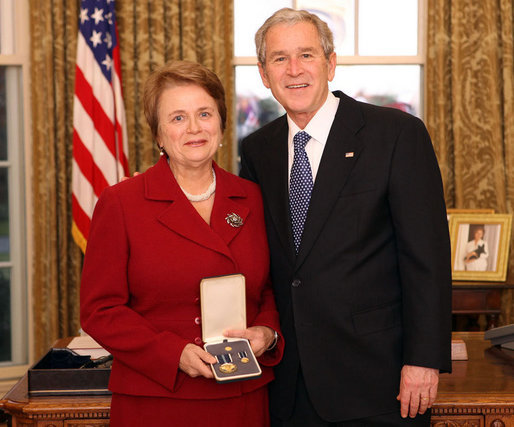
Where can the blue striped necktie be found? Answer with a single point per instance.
(300, 186)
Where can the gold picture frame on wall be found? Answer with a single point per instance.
(480, 246)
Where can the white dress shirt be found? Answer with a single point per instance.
(318, 128)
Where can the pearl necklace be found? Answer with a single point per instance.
(204, 196)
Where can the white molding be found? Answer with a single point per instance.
(12, 59)
(18, 169)
(6, 27)
(5, 386)
(23, 42)
(12, 372)
(351, 60)
(16, 214)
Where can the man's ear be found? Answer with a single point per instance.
(264, 76)
(332, 62)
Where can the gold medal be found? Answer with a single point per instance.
(244, 360)
(227, 348)
(228, 368)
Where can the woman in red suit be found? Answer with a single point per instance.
(153, 238)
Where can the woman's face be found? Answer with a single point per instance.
(479, 233)
(189, 125)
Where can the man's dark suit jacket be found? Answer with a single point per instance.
(370, 289)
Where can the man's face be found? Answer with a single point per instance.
(296, 70)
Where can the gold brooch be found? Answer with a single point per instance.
(234, 220)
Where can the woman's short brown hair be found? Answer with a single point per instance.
(178, 73)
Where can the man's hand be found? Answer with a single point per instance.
(418, 389)
(260, 337)
(128, 177)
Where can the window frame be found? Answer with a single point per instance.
(357, 59)
(419, 59)
(20, 204)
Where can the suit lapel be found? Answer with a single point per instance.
(275, 183)
(339, 157)
(181, 217)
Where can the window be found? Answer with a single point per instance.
(379, 47)
(13, 275)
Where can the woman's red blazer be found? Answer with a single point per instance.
(147, 252)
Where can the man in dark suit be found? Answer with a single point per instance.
(362, 279)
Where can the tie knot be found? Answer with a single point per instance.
(300, 140)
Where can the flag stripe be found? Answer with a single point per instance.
(88, 167)
(94, 110)
(82, 187)
(92, 73)
(80, 217)
(87, 132)
(100, 144)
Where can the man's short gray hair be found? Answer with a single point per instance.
(290, 17)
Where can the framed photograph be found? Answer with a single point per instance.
(480, 246)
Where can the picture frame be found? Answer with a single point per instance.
(480, 246)
(453, 211)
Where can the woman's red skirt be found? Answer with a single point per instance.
(248, 410)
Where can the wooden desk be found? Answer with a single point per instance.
(475, 298)
(55, 411)
(480, 391)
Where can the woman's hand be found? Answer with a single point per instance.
(194, 361)
(469, 255)
(260, 337)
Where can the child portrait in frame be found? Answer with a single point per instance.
(480, 246)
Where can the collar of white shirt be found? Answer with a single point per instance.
(318, 128)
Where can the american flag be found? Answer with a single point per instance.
(100, 148)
